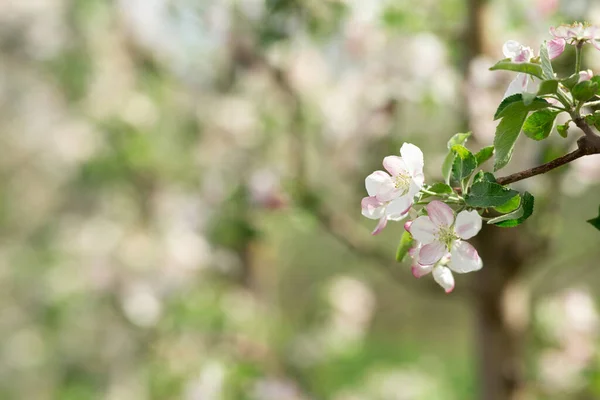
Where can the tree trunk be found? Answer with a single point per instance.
(501, 309)
(499, 302)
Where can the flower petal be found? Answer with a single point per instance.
(585, 75)
(517, 85)
(431, 253)
(524, 55)
(468, 224)
(415, 185)
(556, 47)
(423, 230)
(382, 223)
(560, 31)
(372, 208)
(419, 270)
(377, 182)
(414, 251)
(588, 32)
(595, 44)
(443, 276)
(395, 165)
(440, 213)
(464, 258)
(398, 209)
(532, 85)
(413, 158)
(511, 48)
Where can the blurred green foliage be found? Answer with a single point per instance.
(165, 169)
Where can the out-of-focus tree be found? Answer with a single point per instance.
(179, 190)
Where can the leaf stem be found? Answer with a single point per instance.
(433, 193)
(578, 57)
(563, 99)
(452, 200)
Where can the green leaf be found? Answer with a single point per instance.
(484, 177)
(527, 68)
(459, 138)
(539, 124)
(515, 98)
(510, 205)
(548, 87)
(464, 163)
(563, 129)
(518, 216)
(488, 194)
(585, 90)
(447, 166)
(513, 113)
(593, 119)
(515, 103)
(595, 221)
(570, 81)
(439, 188)
(507, 133)
(595, 79)
(547, 71)
(406, 242)
(484, 154)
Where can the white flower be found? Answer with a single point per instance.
(391, 194)
(523, 83)
(574, 35)
(395, 210)
(405, 177)
(441, 274)
(517, 52)
(441, 232)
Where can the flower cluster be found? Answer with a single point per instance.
(576, 34)
(446, 214)
(438, 234)
(441, 246)
(391, 194)
(523, 83)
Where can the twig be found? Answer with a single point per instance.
(519, 176)
(587, 145)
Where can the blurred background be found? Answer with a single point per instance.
(179, 204)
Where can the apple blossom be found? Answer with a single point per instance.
(404, 177)
(575, 34)
(395, 210)
(441, 273)
(442, 232)
(391, 193)
(436, 235)
(517, 52)
(523, 83)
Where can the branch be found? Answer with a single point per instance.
(581, 124)
(586, 145)
(542, 169)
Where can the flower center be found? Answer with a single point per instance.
(446, 236)
(402, 182)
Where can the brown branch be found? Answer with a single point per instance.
(581, 124)
(560, 161)
(587, 145)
